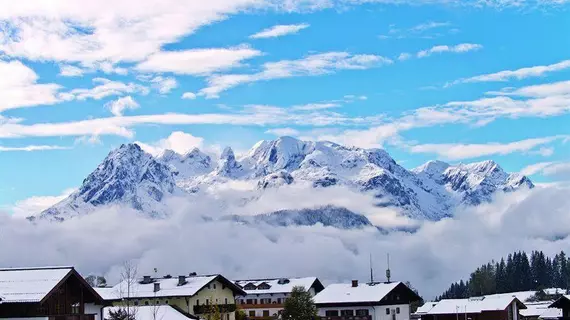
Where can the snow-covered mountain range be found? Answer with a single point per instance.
(130, 176)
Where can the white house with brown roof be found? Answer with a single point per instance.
(265, 298)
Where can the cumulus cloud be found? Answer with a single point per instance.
(189, 95)
(425, 257)
(178, 141)
(279, 31)
(70, 71)
(121, 104)
(280, 132)
(312, 65)
(21, 89)
(164, 84)
(33, 205)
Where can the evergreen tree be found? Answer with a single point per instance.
(501, 276)
(525, 273)
(563, 270)
(299, 306)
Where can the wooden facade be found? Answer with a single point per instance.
(66, 301)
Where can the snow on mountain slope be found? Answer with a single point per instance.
(129, 176)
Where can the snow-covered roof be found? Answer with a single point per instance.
(551, 313)
(521, 295)
(554, 291)
(535, 309)
(31, 284)
(169, 287)
(346, 293)
(279, 285)
(474, 305)
(165, 312)
(425, 308)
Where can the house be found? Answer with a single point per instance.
(49, 293)
(265, 298)
(422, 310)
(193, 295)
(369, 301)
(493, 307)
(540, 310)
(562, 303)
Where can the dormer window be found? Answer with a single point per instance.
(250, 286)
(263, 286)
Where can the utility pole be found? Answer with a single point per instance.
(388, 274)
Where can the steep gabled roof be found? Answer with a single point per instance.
(345, 293)
(475, 305)
(165, 312)
(28, 285)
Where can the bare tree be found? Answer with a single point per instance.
(127, 286)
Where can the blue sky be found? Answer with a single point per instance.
(460, 82)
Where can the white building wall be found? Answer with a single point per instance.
(91, 308)
(376, 312)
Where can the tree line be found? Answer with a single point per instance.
(517, 272)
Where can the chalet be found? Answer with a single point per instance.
(50, 293)
(493, 307)
(369, 301)
(192, 295)
(562, 303)
(265, 298)
(540, 310)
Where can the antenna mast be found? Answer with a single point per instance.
(371, 271)
(388, 270)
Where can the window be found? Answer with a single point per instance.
(362, 312)
(279, 300)
(208, 286)
(331, 313)
(75, 308)
(146, 303)
(347, 313)
(397, 297)
(252, 313)
(387, 310)
(214, 286)
(249, 301)
(266, 313)
(207, 302)
(136, 302)
(398, 310)
(197, 302)
(165, 301)
(226, 301)
(157, 302)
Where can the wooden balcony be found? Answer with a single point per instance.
(72, 317)
(261, 306)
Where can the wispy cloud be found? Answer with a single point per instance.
(280, 132)
(197, 61)
(556, 169)
(312, 65)
(164, 84)
(460, 48)
(105, 88)
(458, 151)
(518, 74)
(279, 31)
(32, 148)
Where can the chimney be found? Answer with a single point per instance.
(146, 279)
(156, 286)
(181, 280)
(192, 274)
(354, 283)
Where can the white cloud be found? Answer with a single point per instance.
(20, 89)
(556, 169)
(280, 132)
(519, 74)
(121, 104)
(70, 71)
(178, 141)
(32, 148)
(189, 95)
(279, 31)
(460, 48)
(312, 65)
(197, 61)
(37, 204)
(164, 84)
(429, 25)
(404, 56)
(561, 88)
(106, 88)
(316, 106)
(457, 151)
